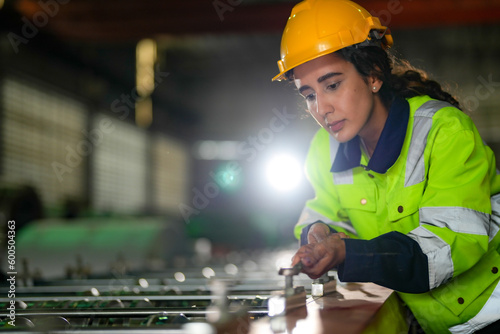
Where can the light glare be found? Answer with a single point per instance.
(284, 172)
(208, 272)
(143, 283)
(180, 277)
(231, 269)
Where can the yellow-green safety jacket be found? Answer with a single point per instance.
(430, 191)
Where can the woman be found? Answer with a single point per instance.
(407, 193)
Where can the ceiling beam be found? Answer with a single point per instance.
(130, 20)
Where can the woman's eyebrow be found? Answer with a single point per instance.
(320, 80)
(303, 88)
(327, 76)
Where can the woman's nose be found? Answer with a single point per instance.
(323, 106)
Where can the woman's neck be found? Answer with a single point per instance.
(368, 150)
(370, 134)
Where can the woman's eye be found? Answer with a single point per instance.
(310, 97)
(333, 86)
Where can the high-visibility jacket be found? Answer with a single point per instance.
(431, 181)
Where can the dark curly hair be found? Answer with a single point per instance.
(399, 77)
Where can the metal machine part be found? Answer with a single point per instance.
(291, 297)
(289, 273)
(215, 299)
(250, 296)
(324, 285)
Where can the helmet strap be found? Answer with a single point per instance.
(375, 38)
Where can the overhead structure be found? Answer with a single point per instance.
(122, 20)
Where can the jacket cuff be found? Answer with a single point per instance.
(393, 260)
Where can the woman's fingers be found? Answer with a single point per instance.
(318, 232)
(318, 258)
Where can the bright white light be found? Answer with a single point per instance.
(208, 272)
(207, 150)
(276, 305)
(203, 247)
(143, 283)
(284, 172)
(231, 269)
(180, 277)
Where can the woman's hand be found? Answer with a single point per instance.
(317, 233)
(318, 258)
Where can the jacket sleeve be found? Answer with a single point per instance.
(392, 260)
(454, 212)
(325, 206)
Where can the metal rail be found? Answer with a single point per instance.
(119, 313)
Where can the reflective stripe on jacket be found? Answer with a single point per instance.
(439, 192)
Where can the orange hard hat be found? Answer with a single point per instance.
(318, 27)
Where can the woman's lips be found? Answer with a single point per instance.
(336, 126)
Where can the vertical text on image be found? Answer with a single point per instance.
(11, 280)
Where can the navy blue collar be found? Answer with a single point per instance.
(388, 147)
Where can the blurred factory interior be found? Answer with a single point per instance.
(147, 127)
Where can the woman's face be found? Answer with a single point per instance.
(338, 98)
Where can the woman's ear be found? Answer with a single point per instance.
(375, 84)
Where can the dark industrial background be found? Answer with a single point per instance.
(78, 174)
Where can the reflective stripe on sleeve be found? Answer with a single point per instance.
(495, 216)
(415, 165)
(488, 315)
(438, 254)
(463, 220)
(309, 216)
(490, 312)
